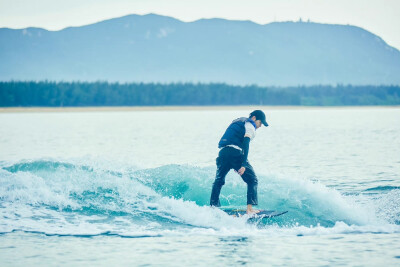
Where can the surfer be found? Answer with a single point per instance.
(234, 149)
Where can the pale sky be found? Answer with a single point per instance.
(381, 17)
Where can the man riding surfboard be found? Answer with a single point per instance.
(234, 149)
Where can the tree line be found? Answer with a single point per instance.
(73, 94)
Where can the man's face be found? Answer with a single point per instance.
(258, 124)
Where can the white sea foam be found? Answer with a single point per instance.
(322, 201)
(79, 200)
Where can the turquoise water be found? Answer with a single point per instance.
(132, 187)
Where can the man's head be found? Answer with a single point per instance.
(258, 117)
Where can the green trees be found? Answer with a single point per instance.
(59, 94)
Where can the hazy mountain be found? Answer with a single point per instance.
(154, 48)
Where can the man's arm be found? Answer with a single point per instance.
(245, 147)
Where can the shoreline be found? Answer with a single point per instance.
(170, 108)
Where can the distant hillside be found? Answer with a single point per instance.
(154, 48)
(75, 94)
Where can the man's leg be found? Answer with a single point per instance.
(222, 169)
(250, 179)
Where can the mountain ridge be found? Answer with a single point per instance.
(154, 48)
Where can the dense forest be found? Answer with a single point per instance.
(71, 94)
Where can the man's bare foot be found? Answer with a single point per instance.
(251, 212)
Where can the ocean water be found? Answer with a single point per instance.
(132, 188)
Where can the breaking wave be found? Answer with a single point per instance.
(70, 198)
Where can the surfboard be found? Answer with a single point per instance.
(259, 215)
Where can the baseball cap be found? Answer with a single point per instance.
(259, 116)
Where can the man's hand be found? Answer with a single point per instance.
(241, 171)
